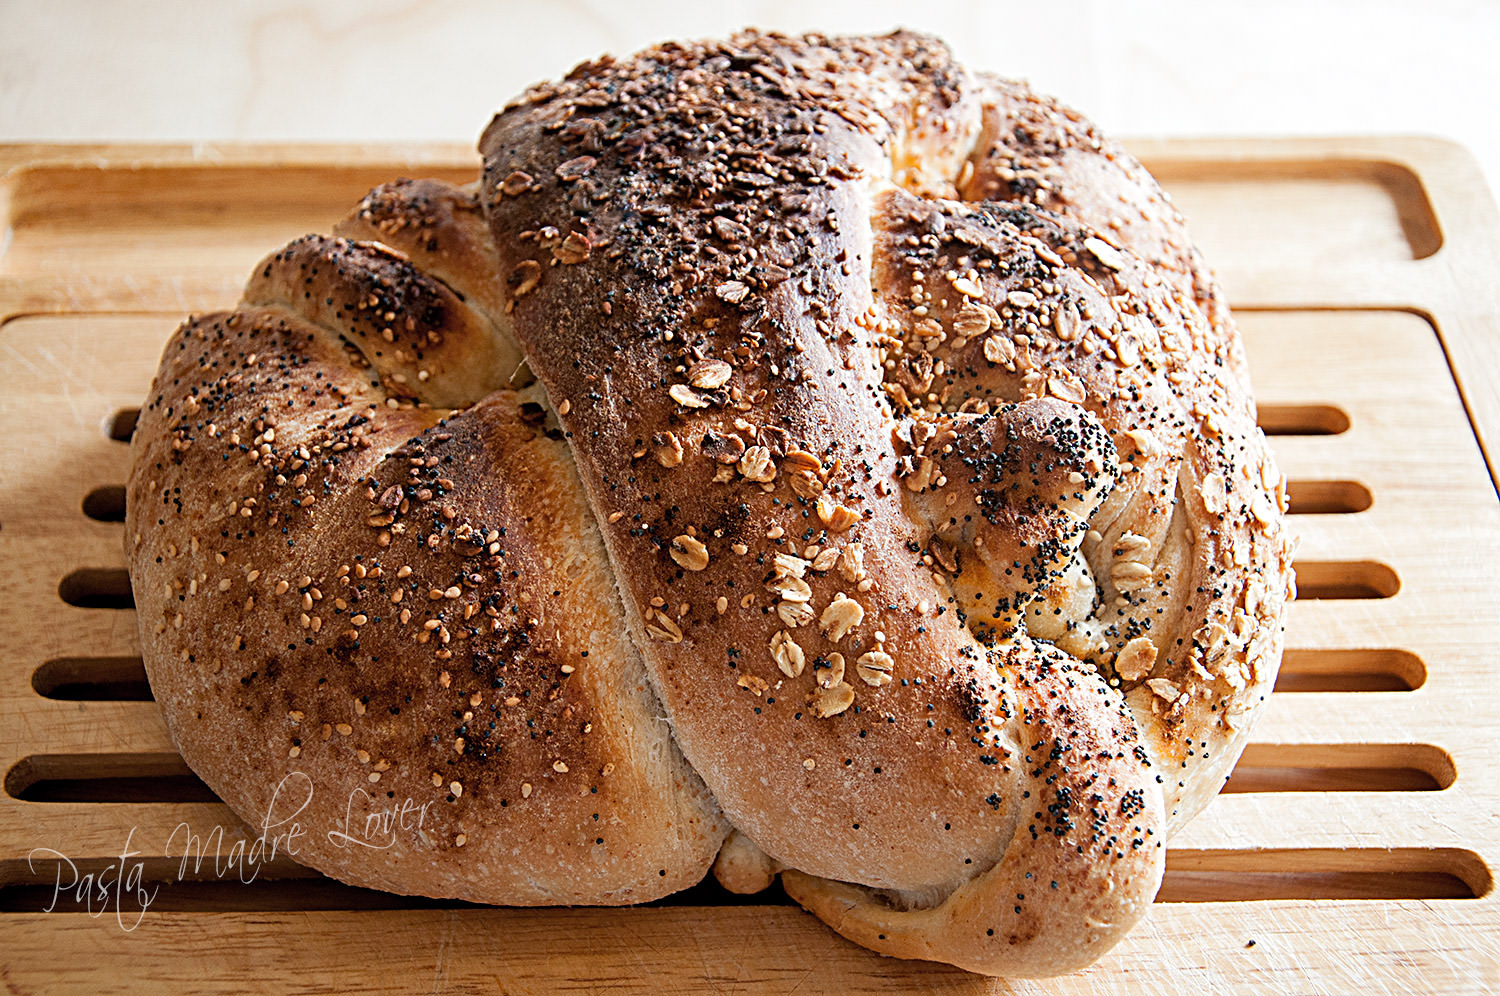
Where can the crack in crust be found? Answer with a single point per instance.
(900, 414)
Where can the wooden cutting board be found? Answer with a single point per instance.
(1353, 850)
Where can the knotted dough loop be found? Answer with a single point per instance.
(889, 455)
(372, 601)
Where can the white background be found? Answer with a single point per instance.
(395, 69)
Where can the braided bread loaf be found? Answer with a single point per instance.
(800, 440)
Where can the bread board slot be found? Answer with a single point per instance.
(100, 197)
(153, 788)
(105, 504)
(75, 218)
(1274, 420)
(1304, 211)
(1306, 498)
(1263, 768)
(1288, 420)
(1377, 670)
(1342, 768)
(1324, 873)
(104, 778)
(97, 588)
(92, 679)
(1433, 761)
(1345, 579)
(1191, 877)
(109, 587)
(170, 895)
(1250, 778)
(1216, 887)
(123, 679)
(121, 425)
(28, 886)
(279, 886)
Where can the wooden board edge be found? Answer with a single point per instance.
(1454, 289)
(1464, 302)
(16, 156)
(1441, 319)
(744, 949)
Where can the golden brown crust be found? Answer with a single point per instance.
(941, 528)
(441, 229)
(1035, 151)
(1189, 538)
(757, 272)
(412, 628)
(1084, 860)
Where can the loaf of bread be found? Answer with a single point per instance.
(793, 456)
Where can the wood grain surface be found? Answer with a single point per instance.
(1353, 850)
